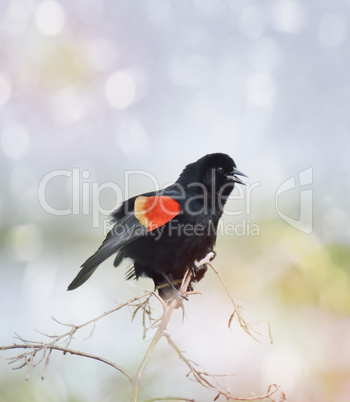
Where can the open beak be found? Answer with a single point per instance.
(233, 176)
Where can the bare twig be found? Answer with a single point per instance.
(168, 309)
(41, 347)
(200, 376)
(36, 353)
(237, 308)
(170, 398)
(34, 348)
(273, 390)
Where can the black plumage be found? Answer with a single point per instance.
(165, 252)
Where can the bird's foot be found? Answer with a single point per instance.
(179, 297)
(206, 260)
(176, 294)
(199, 268)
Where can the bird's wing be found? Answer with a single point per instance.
(126, 230)
(149, 213)
(155, 211)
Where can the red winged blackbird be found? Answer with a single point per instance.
(167, 231)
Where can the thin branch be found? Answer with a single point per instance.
(75, 328)
(170, 398)
(28, 358)
(199, 376)
(38, 347)
(273, 390)
(39, 352)
(247, 327)
(168, 309)
(202, 377)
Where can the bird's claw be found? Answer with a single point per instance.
(206, 260)
(179, 297)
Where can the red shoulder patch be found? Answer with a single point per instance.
(153, 212)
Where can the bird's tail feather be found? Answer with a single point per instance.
(89, 266)
(127, 230)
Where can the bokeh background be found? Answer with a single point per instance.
(90, 90)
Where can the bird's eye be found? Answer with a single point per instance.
(220, 169)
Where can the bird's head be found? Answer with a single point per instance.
(215, 171)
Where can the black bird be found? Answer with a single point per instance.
(167, 231)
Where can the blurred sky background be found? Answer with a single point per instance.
(107, 87)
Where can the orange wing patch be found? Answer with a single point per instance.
(153, 212)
